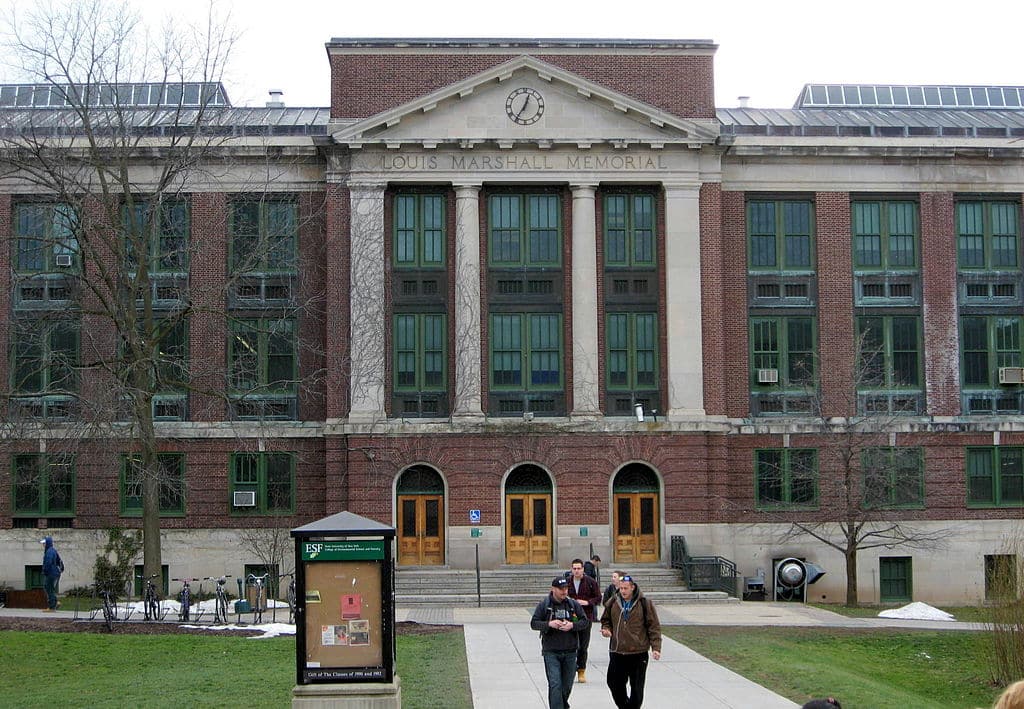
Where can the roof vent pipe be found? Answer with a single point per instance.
(744, 101)
(276, 99)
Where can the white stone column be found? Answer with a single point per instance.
(368, 320)
(585, 355)
(466, 399)
(683, 301)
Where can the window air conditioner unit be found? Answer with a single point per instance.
(244, 498)
(767, 376)
(1011, 375)
(63, 260)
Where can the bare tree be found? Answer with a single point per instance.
(136, 120)
(866, 482)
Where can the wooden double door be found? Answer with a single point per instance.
(528, 528)
(636, 527)
(421, 530)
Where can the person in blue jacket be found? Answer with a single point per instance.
(51, 573)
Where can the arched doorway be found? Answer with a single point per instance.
(635, 512)
(420, 494)
(528, 516)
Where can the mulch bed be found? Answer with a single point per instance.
(63, 625)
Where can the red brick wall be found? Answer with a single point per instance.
(363, 85)
(734, 324)
(938, 279)
(836, 345)
(712, 277)
(336, 297)
(208, 324)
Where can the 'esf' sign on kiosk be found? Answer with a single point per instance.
(348, 550)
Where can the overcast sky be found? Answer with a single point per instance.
(766, 50)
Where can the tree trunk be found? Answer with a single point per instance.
(851, 575)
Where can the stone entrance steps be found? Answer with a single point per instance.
(526, 585)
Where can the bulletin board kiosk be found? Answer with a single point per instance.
(345, 614)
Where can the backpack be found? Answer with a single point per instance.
(59, 561)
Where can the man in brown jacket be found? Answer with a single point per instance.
(631, 621)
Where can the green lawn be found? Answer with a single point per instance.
(863, 669)
(964, 614)
(100, 670)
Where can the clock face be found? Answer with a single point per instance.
(524, 106)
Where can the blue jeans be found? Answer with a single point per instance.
(560, 668)
(50, 586)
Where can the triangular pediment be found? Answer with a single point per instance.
(501, 106)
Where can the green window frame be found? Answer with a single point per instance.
(987, 235)
(171, 352)
(419, 221)
(166, 239)
(988, 342)
(171, 479)
(890, 352)
(525, 229)
(629, 230)
(163, 586)
(270, 475)
(632, 342)
(45, 357)
(43, 484)
(264, 235)
(786, 478)
(43, 231)
(786, 344)
(262, 356)
(893, 477)
(781, 235)
(420, 352)
(885, 235)
(1001, 573)
(530, 341)
(34, 577)
(895, 579)
(995, 476)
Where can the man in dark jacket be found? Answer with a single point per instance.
(588, 594)
(51, 573)
(559, 620)
(631, 622)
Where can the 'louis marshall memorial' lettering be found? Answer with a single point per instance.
(523, 162)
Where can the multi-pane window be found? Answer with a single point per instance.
(270, 476)
(45, 358)
(632, 350)
(893, 477)
(261, 355)
(988, 343)
(419, 230)
(629, 230)
(525, 230)
(44, 237)
(530, 342)
(43, 484)
(987, 235)
(785, 345)
(895, 579)
(884, 235)
(168, 471)
(264, 235)
(995, 475)
(889, 352)
(171, 355)
(419, 352)
(780, 235)
(160, 230)
(786, 477)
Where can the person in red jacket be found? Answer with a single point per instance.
(588, 594)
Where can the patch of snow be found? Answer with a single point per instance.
(269, 630)
(916, 611)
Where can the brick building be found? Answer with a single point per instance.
(554, 298)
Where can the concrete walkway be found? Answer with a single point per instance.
(506, 669)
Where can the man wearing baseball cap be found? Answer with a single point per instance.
(559, 619)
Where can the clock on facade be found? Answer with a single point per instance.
(524, 106)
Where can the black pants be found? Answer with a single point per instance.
(584, 648)
(631, 668)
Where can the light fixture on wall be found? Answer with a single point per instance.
(638, 409)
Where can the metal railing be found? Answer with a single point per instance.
(704, 573)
